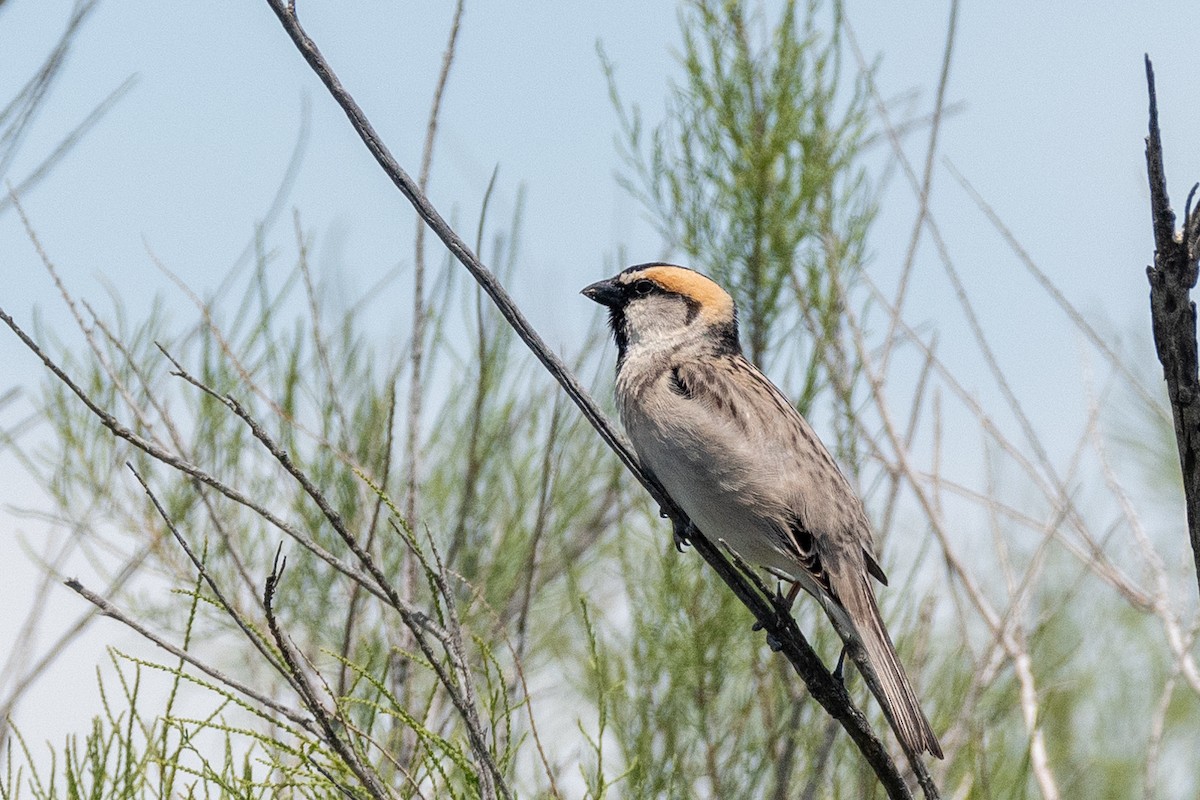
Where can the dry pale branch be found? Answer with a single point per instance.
(107, 609)
(1177, 638)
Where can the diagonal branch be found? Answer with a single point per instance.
(1173, 315)
(829, 692)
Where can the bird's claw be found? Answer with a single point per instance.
(780, 602)
(839, 673)
(681, 531)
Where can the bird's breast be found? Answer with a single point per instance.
(730, 487)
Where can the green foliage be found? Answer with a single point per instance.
(129, 753)
(508, 533)
(595, 655)
(755, 178)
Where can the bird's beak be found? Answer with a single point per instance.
(606, 293)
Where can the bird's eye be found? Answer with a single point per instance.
(642, 288)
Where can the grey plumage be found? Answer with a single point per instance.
(745, 465)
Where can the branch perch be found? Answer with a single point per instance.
(829, 692)
(1173, 315)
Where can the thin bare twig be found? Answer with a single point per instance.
(935, 128)
(107, 609)
(235, 615)
(314, 309)
(356, 596)
(419, 323)
(484, 356)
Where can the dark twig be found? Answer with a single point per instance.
(830, 693)
(299, 680)
(238, 618)
(1173, 316)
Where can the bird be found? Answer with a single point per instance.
(746, 467)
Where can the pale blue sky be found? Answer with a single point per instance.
(1050, 133)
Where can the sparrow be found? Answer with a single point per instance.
(746, 467)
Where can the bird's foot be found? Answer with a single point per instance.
(681, 531)
(781, 603)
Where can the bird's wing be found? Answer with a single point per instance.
(824, 509)
(824, 524)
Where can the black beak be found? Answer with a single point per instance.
(606, 293)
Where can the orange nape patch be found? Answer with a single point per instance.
(715, 303)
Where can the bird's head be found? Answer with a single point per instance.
(651, 304)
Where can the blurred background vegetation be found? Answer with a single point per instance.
(1050, 633)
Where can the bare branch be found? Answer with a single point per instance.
(1173, 315)
(1030, 711)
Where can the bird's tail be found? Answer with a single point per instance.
(887, 679)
